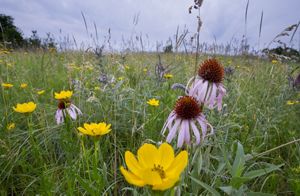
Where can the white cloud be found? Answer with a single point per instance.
(157, 18)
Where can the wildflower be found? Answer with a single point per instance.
(25, 107)
(274, 61)
(120, 78)
(207, 87)
(10, 126)
(127, 67)
(23, 85)
(153, 102)
(289, 102)
(41, 92)
(145, 70)
(63, 95)
(186, 117)
(94, 129)
(7, 85)
(97, 88)
(65, 105)
(168, 76)
(157, 167)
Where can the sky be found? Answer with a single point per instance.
(158, 20)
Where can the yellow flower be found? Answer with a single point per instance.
(41, 92)
(97, 88)
(94, 129)
(23, 85)
(63, 95)
(157, 167)
(7, 85)
(274, 61)
(25, 107)
(11, 126)
(145, 70)
(127, 67)
(168, 76)
(153, 102)
(120, 78)
(289, 102)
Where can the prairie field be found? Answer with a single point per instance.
(254, 150)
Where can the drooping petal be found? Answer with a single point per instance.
(168, 122)
(131, 178)
(77, 109)
(147, 155)
(178, 165)
(212, 97)
(71, 112)
(222, 92)
(196, 86)
(166, 155)
(201, 96)
(59, 116)
(181, 135)
(133, 164)
(203, 127)
(196, 132)
(173, 131)
(186, 129)
(166, 184)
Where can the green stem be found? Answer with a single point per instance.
(85, 158)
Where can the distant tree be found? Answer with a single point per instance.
(9, 33)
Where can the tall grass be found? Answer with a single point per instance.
(255, 120)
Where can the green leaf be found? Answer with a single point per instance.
(206, 186)
(261, 172)
(237, 182)
(239, 161)
(227, 189)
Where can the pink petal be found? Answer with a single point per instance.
(212, 96)
(187, 136)
(196, 132)
(180, 137)
(168, 122)
(172, 132)
(203, 127)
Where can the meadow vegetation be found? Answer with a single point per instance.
(255, 147)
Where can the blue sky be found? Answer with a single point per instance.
(158, 19)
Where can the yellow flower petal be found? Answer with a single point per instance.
(132, 164)
(166, 155)
(132, 179)
(84, 131)
(178, 165)
(147, 155)
(25, 107)
(151, 177)
(166, 184)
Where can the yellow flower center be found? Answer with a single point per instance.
(160, 170)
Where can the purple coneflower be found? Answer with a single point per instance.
(207, 87)
(186, 118)
(65, 107)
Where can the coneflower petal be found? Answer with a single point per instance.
(172, 132)
(212, 96)
(196, 132)
(187, 137)
(180, 137)
(72, 112)
(203, 125)
(168, 123)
